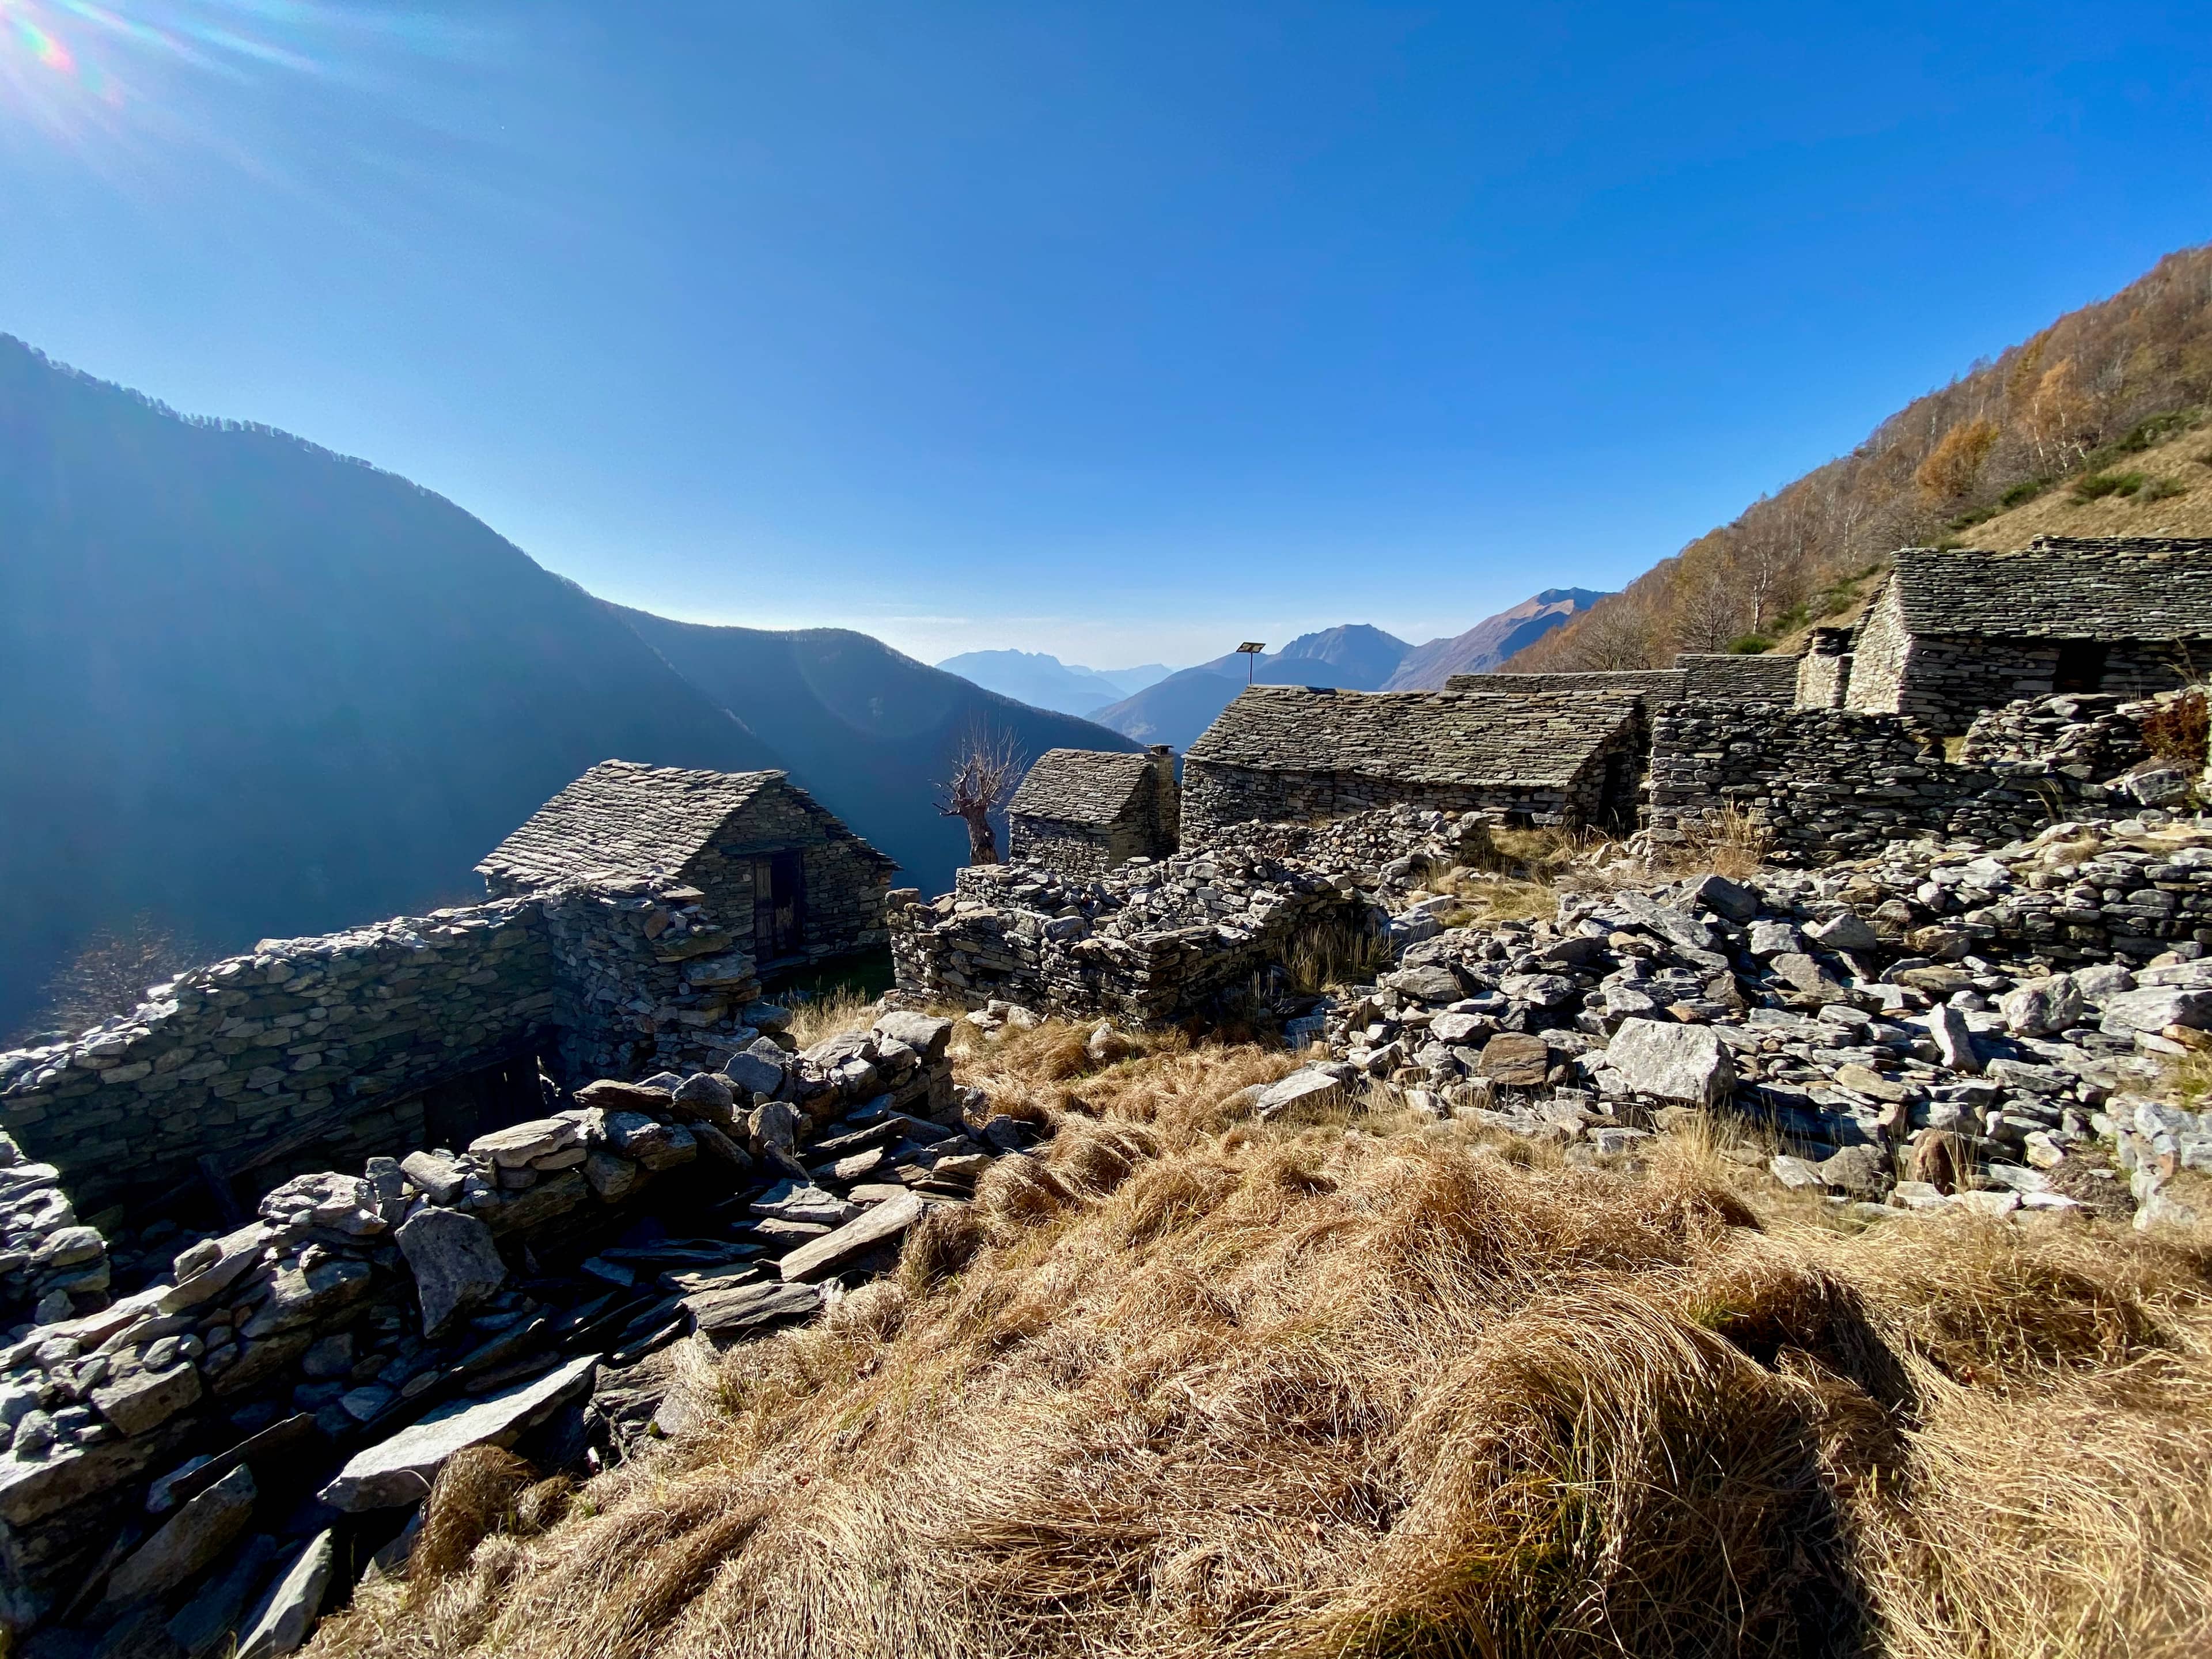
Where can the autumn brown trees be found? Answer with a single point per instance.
(2028, 417)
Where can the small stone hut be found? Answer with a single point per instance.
(1081, 811)
(1306, 754)
(792, 882)
(1953, 632)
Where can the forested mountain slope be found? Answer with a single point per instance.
(870, 732)
(248, 688)
(2049, 421)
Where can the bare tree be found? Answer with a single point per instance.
(1616, 634)
(985, 771)
(1709, 613)
(111, 972)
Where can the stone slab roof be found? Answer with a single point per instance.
(1416, 737)
(2061, 587)
(623, 820)
(1659, 685)
(1080, 785)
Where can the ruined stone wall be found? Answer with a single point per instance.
(308, 1344)
(1728, 677)
(1073, 849)
(1154, 942)
(333, 1037)
(1818, 784)
(322, 1049)
(2095, 736)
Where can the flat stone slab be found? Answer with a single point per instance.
(400, 1470)
(727, 1314)
(1308, 1086)
(886, 1221)
(1688, 1064)
(1515, 1060)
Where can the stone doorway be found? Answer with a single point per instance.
(779, 907)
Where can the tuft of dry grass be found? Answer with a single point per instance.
(1181, 1384)
(841, 1010)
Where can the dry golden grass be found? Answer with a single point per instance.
(821, 1017)
(1181, 1384)
(2178, 462)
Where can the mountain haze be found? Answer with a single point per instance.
(1352, 657)
(1044, 682)
(877, 729)
(255, 688)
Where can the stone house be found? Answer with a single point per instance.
(1304, 754)
(1082, 810)
(1953, 632)
(792, 883)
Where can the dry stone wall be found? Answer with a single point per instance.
(312, 1050)
(1153, 943)
(316, 1364)
(1819, 784)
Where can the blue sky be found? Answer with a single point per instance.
(1119, 330)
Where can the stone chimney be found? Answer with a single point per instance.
(1167, 799)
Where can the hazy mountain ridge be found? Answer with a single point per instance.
(870, 730)
(1352, 657)
(259, 688)
(1043, 681)
(1485, 645)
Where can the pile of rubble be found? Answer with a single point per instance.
(1153, 940)
(1941, 1023)
(208, 1457)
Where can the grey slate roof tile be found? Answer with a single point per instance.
(1080, 785)
(623, 820)
(2061, 587)
(1416, 737)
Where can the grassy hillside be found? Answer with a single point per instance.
(2094, 395)
(1185, 1384)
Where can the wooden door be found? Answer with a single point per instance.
(779, 906)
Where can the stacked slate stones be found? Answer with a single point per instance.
(213, 1456)
(1944, 1022)
(1152, 941)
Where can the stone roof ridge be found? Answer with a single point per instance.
(1080, 785)
(1443, 737)
(624, 820)
(2102, 588)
